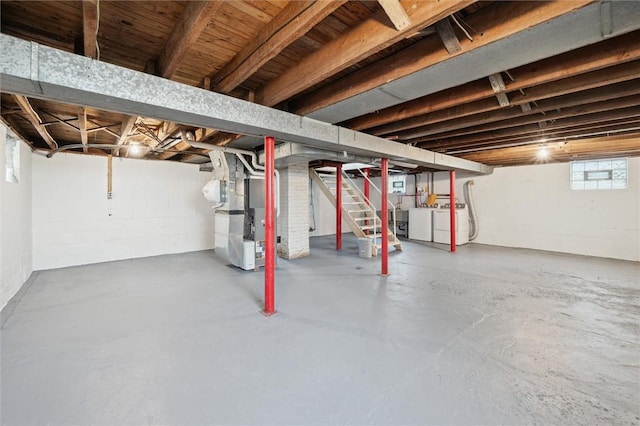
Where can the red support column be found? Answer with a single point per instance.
(452, 208)
(384, 188)
(270, 226)
(366, 184)
(339, 206)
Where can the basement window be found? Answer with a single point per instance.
(12, 159)
(599, 174)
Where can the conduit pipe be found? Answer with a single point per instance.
(112, 147)
(468, 195)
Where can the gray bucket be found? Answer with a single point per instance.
(364, 247)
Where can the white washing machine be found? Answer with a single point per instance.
(421, 224)
(442, 226)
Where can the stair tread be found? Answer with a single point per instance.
(362, 220)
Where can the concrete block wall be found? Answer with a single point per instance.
(16, 248)
(293, 223)
(157, 208)
(535, 207)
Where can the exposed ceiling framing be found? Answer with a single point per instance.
(486, 81)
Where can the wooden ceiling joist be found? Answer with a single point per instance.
(595, 130)
(538, 118)
(364, 40)
(490, 21)
(623, 117)
(194, 19)
(295, 20)
(90, 28)
(412, 127)
(396, 13)
(591, 58)
(574, 100)
(612, 146)
(32, 116)
(125, 130)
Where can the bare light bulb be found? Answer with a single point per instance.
(543, 153)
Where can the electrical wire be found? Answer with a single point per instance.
(461, 27)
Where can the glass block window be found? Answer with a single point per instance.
(599, 174)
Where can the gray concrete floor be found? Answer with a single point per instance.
(487, 336)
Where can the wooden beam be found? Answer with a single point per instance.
(603, 77)
(581, 149)
(593, 130)
(125, 130)
(575, 100)
(295, 20)
(194, 19)
(34, 119)
(82, 125)
(366, 39)
(448, 36)
(212, 137)
(427, 52)
(90, 28)
(396, 13)
(167, 129)
(537, 117)
(620, 117)
(600, 55)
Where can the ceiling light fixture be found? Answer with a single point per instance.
(543, 153)
(137, 150)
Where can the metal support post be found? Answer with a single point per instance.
(384, 189)
(270, 225)
(452, 208)
(339, 206)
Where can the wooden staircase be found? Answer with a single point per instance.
(356, 211)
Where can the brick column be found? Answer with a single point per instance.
(293, 223)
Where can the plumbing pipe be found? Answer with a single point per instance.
(452, 208)
(385, 216)
(253, 155)
(253, 172)
(112, 146)
(468, 195)
(339, 206)
(269, 235)
(254, 162)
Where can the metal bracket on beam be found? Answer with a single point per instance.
(448, 36)
(606, 19)
(498, 86)
(525, 107)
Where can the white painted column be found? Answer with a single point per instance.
(293, 223)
